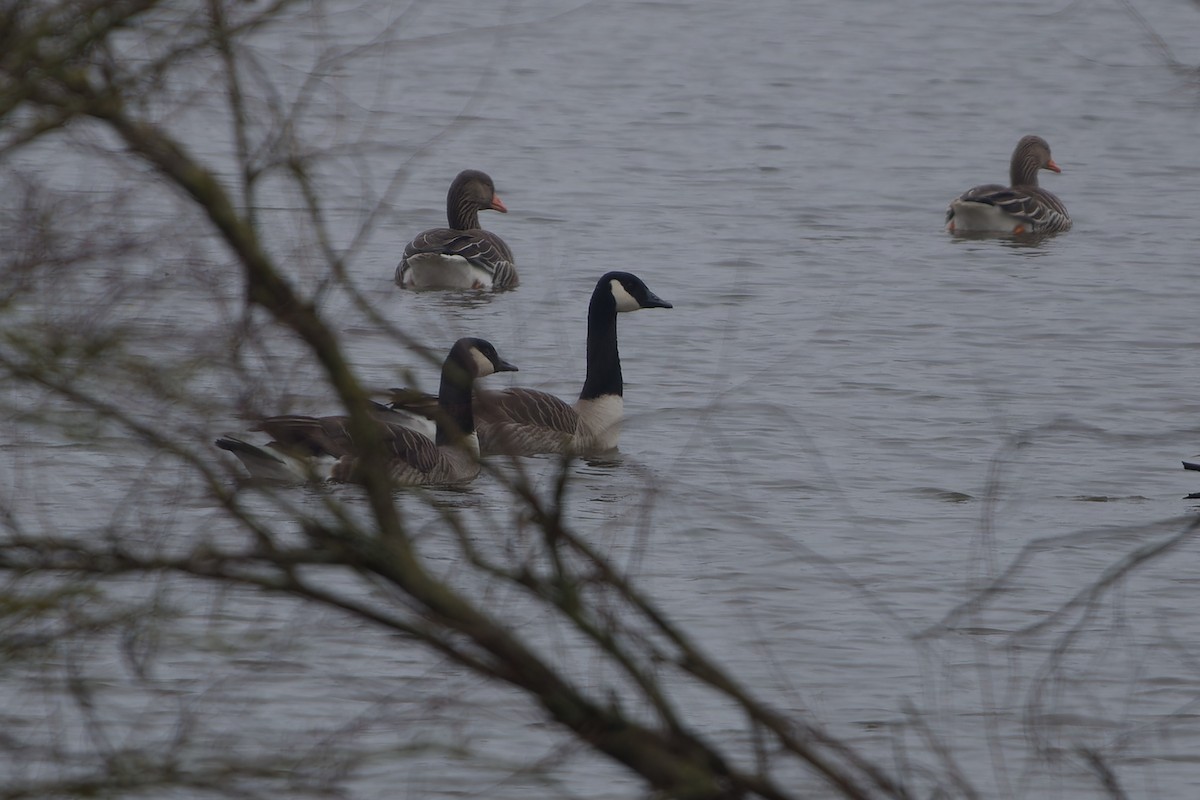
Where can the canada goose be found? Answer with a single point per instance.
(527, 422)
(308, 448)
(1022, 207)
(462, 256)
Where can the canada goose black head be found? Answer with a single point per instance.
(628, 292)
(472, 358)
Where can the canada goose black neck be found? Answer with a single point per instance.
(603, 360)
(454, 396)
(469, 359)
(455, 403)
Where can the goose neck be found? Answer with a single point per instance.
(461, 212)
(1024, 169)
(456, 420)
(603, 360)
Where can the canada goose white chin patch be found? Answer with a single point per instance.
(483, 364)
(625, 301)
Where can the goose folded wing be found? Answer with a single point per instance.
(1041, 209)
(989, 193)
(519, 406)
(1027, 204)
(313, 436)
(412, 448)
(1015, 202)
(414, 401)
(322, 436)
(479, 247)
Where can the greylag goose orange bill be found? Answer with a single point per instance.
(462, 255)
(323, 448)
(525, 422)
(1019, 208)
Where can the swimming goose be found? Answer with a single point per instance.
(305, 448)
(1022, 207)
(314, 448)
(527, 422)
(463, 256)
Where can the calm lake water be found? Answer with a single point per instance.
(848, 423)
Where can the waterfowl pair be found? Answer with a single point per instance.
(521, 421)
(1022, 207)
(319, 448)
(462, 256)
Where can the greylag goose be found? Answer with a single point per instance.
(315, 448)
(522, 421)
(1022, 207)
(462, 256)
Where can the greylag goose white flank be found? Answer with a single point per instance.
(314, 448)
(525, 422)
(1022, 207)
(462, 256)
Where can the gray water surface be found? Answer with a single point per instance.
(847, 423)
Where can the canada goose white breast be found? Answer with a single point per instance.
(600, 422)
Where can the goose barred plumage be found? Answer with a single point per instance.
(462, 256)
(316, 448)
(521, 421)
(1022, 207)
